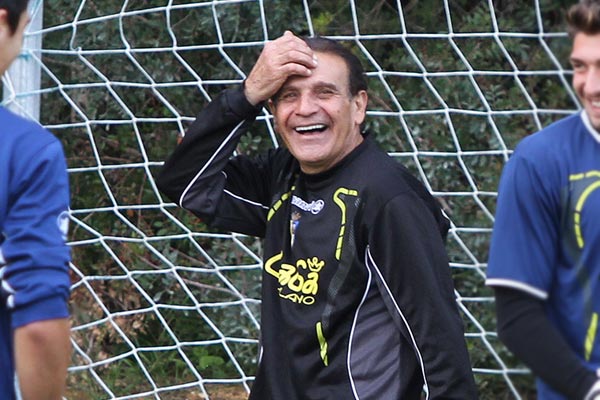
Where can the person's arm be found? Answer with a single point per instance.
(201, 176)
(521, 267)
(407, 251)
(192, 176)
(35, 280)
(42, 354)
(525, 329)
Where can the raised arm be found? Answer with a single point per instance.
(284, 57)
(200, 170)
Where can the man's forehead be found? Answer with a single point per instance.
(331, 71)
(303, 82)
(586, 47)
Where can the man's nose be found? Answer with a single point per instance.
(307, 104)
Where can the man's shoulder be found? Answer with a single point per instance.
(553, 137)
(24, 144)
(390, 181)
(386, 178)
(388, 173)
(22, 132)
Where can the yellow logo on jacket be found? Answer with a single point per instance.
(299, 283)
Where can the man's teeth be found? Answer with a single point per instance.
(596, 103)
(311, 128)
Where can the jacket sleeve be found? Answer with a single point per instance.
(202, 176)
(413, 274)
(524, 327)
(35, 282)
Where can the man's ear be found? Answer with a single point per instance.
(271, 106)
(360, 102)
(4, 26)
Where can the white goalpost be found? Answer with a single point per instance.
(162, 306)
(21, 89)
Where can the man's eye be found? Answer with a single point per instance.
(325, 93)
(287, 96)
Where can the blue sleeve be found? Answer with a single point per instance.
(35, 278)
(525, 236)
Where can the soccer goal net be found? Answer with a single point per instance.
(162, 306)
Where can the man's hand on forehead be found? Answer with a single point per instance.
(281, 58)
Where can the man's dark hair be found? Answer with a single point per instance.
(356, 76)
(584, 17)
(14, 9)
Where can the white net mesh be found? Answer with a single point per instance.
(165, 308)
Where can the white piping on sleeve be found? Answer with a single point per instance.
(227, 139)
(412, 337)
(10, 300)
(254, 203)
(362, 301)
(523, 287)
(6, 286)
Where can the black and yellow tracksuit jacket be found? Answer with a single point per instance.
(357, 298)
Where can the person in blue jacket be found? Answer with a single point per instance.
(34, 258)
(544, 263)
